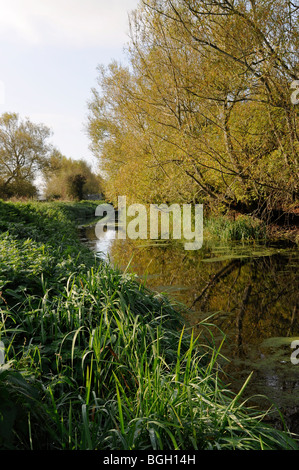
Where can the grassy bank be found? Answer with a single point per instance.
(247, 228)
(243, 228)
(94, 360)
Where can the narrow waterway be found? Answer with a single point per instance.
(250, 289)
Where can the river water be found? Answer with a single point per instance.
(251, 291)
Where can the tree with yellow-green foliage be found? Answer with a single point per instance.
(66, 178)
(203, 112)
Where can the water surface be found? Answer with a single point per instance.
(250, 289)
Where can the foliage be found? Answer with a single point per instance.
(70, 179)
(243, 228)
(75, 185)
(203, 112)
(24, 151)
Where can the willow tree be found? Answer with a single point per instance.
(204, 109)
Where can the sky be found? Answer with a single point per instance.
(49, 53)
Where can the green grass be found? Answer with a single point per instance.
(95, 360)
(241, 229)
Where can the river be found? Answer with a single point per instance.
(251, 291)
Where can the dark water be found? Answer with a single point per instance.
(250, 289)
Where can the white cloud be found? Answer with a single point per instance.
(69, 22)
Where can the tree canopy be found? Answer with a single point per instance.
(66, 178)
(203, 111)
(24, 151)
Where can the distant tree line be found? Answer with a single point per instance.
(66, 178)
(25, 154)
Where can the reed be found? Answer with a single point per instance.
(243, 228)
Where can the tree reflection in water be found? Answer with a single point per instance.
(252, 291)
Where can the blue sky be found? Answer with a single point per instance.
(48, 57)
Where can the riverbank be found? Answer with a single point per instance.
(240, 227)
(95, 360)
